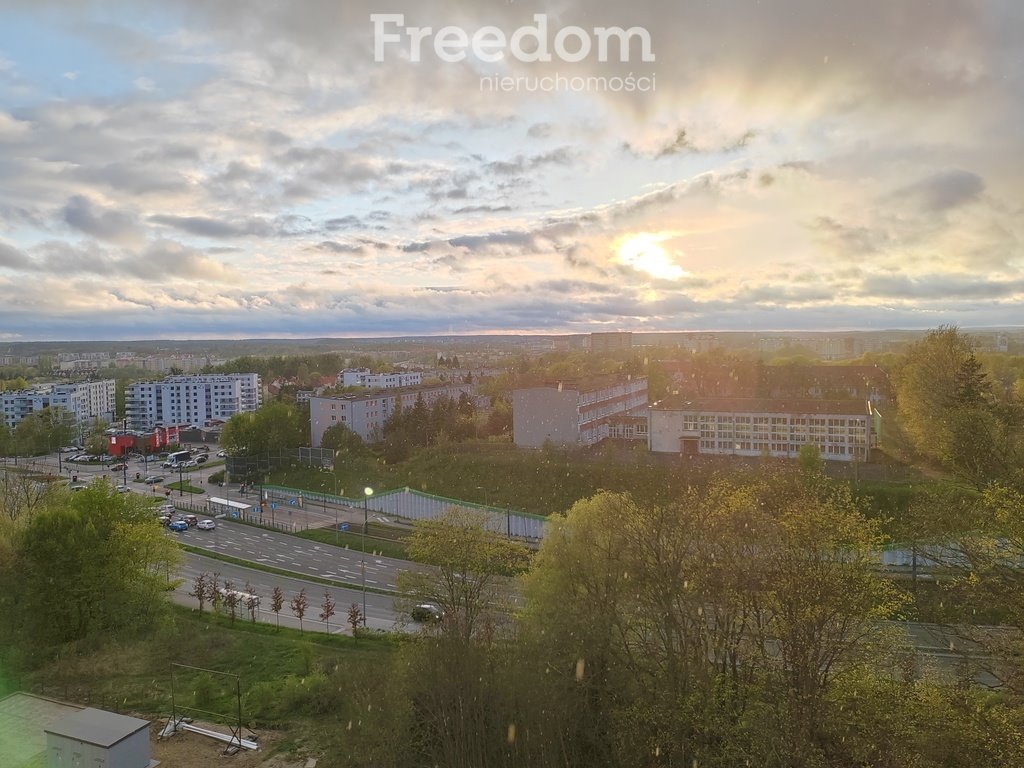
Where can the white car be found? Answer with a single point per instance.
(122, 488)
(221, 454)
(206, 525)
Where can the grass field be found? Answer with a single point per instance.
(299, 682)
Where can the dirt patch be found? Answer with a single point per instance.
(192, 750)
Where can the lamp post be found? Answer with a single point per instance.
(181, 470)
(367, 493)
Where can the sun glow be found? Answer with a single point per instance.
(643, 252)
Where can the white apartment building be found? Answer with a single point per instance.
(196, 399)
(86, 401)
(842, 430)
(365, 413)
(575, 412)
(361, 377)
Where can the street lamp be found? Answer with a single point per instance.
(367, 493)
(181, 471)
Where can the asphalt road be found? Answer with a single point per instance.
(291, 553)
(380, 611)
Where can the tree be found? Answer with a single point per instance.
(94, 562)
(341, 438)
(299, 605)
(327, 610)
(252, 601)
(231, 598)
(926, 389)
(809, 458)
(270, 430)
(355, 617)
(277, 603)
(199, 589)
(473, 563)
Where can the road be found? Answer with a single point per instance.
(380, 612)
(291, 553)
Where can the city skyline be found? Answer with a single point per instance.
(250, 171)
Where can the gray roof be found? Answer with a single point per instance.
(98, 727)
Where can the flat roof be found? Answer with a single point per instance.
(23, 716)
(762, 405)
(97, 727)
(228, 503)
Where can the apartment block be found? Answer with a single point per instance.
(365, 413)
(842, 429)
(362, 377)
(86, 401)
(579, 412)
(196, 399)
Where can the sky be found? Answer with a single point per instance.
(246, 168)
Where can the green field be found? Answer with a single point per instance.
(302, 682)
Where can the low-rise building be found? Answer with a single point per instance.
(366, 412)
(577, 412)
(362, 377)
(841, 429)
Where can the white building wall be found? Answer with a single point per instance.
(839, 437)
(191, 399)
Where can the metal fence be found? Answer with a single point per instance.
(409, 504)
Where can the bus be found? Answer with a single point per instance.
(178, 458)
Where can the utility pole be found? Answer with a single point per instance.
(367, 493)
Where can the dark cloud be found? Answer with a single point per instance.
(12, 258)
(848, 241)
(523, 163)
(81, 214)
(540, 130)
(943, 191)
(940, 287)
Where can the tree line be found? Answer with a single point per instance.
(743, 624)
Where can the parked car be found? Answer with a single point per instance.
(178, 525)
(426, 613)
(206, 525)
(153, 479)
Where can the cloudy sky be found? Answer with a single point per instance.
(246, 168)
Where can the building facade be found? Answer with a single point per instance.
(86, 401)
(361, 377)
(842, 430)
(575, 412)
(613, 341)
(195, 399)
(366, 412)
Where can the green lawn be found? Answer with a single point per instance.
(184, 486)
(385, 547)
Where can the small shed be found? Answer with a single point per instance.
(98, 739)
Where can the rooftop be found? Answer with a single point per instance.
(761, 405)
(97, 726)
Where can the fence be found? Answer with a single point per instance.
(409, 504)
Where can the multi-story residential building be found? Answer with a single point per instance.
(575, 412)
(842, 429)
(615, 341)
(365, 413)
(361, 377)
(195, 399)
(86, 401)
